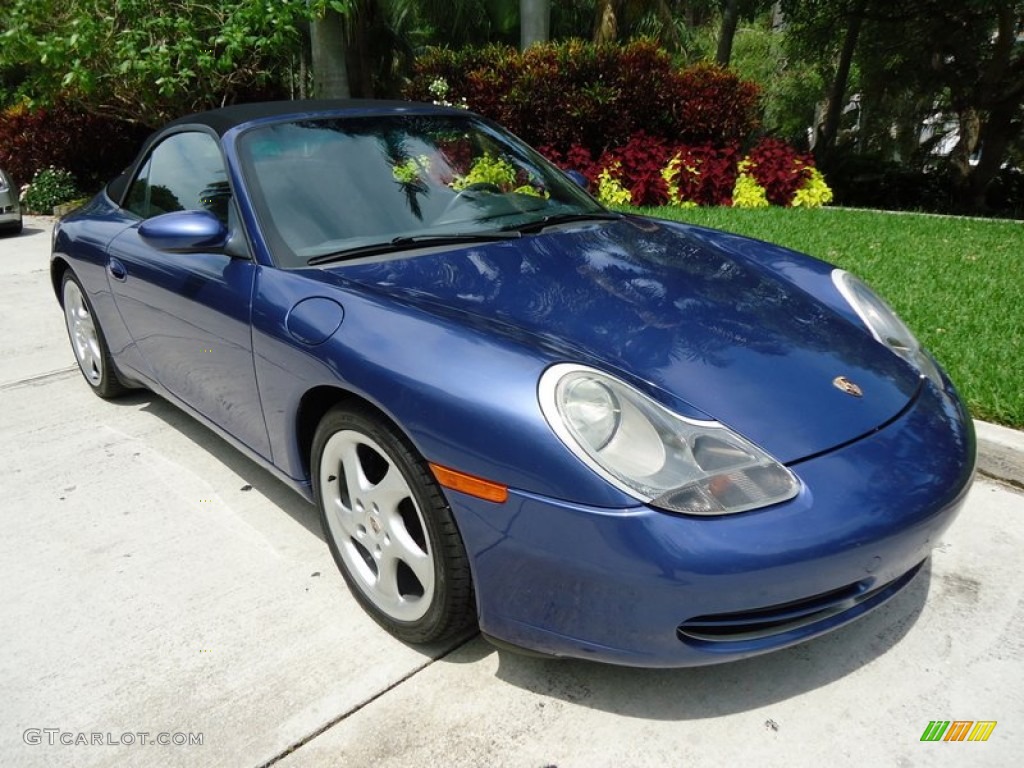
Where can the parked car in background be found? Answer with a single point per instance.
(590, 433)
(10, 207)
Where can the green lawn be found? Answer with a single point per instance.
(958, 283)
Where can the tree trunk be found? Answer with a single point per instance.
(606, 26)
(1003, 86)
(670, 33)
(837, 98)
(360, 60)
(970, 132)
(304, 63)
(327, 40)
(996, 136)
(534, 22)
(730, 20)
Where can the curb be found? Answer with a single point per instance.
(960, 217)
(1000, 453)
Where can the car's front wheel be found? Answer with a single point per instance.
(390, 529)
(87, 340)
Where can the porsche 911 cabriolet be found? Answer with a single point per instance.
(587, 433)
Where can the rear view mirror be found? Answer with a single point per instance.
(579, 178)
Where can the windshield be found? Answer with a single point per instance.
(326, 186)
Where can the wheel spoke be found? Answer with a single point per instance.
(422, 567)
(344, 517)
(387, 579)
(409, 551)
(334, 504)
(89, 358)
(389, 492)
(401, 537)
(355, 480)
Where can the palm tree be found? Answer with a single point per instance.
(327, 42)
(661, 19)
(534, 22)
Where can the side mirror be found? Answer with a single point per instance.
(578, 178)
(185, 232)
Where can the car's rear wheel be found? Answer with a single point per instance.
(87, 340)
(390, 529)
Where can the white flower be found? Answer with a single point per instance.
(438, 88)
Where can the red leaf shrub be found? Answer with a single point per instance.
(94, 149)
(780, 169)
(640, 165)
(458, 155)
(624, 109)
(713, 105)
(595, 96)
(640, 162)
(576, 159)
(713, 176)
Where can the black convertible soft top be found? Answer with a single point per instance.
(224, 119)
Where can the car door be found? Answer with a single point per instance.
(189, 314)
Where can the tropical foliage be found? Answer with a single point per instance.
(650, 171)
(90, 147)
(643, 131)
(928, 94)
(558, 95)
(146, 62)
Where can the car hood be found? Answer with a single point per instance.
(716, 330)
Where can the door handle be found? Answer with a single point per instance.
(117, 269)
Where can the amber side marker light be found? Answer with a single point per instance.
(474, 486)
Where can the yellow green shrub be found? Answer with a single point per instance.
(488, 169)
(610, 190)
(814, 193)
(748, 193)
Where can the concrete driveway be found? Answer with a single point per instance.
(156, 585)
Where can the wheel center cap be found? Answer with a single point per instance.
(375, 524)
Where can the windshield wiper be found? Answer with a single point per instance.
(407, 241)
(565, 218)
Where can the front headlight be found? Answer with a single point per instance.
(884, 324)
(655, 455)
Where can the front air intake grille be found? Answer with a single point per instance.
(784, 617)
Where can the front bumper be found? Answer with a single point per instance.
(645, 588)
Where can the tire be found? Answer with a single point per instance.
(87, 340)
(13, 229)
(390, 529)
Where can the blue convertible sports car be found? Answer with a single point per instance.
(590, 434)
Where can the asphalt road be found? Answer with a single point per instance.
(154, 581)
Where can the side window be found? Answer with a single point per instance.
(184, 172)
(138, 200)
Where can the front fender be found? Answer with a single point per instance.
(464, 394)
